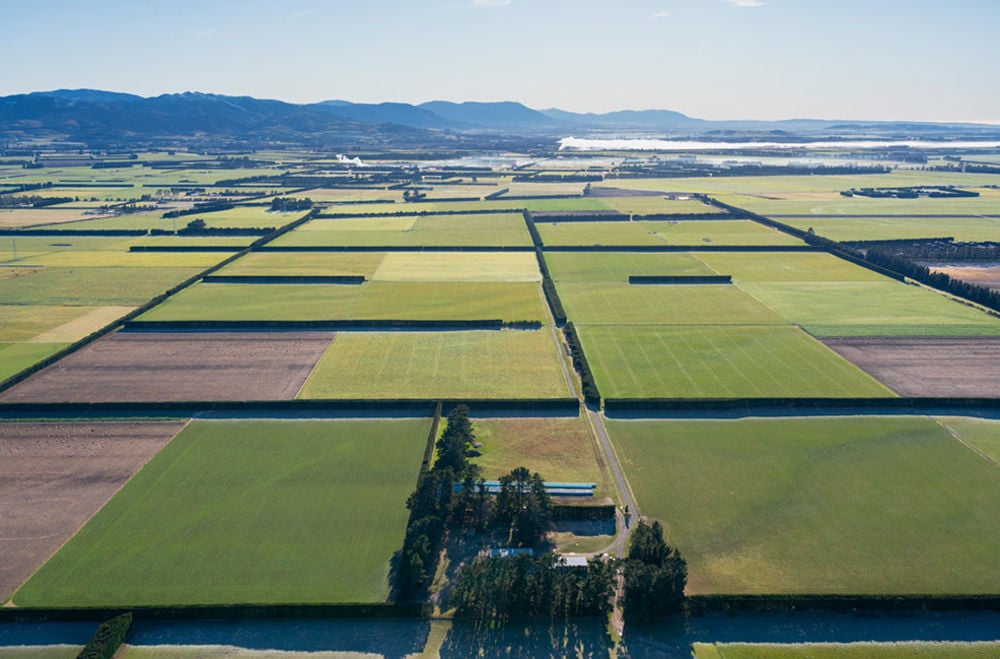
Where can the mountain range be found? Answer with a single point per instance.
(89, 115)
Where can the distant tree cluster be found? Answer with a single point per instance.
(290, 205)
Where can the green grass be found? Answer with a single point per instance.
(458, 266)
(464, 365)
(859, 650)
(983, 435)
(305, 263)
(583, 267)
(253, 217)
(255, 512)
(560, 449)
(682, 233)
(702, 304)
(108, 258)
(719, 361)
(376, 300)
(657, 205)
(972, 229)
(15, 357)
(785, 266)
(31, 247)
(886, 308)
(92, 286)
(499, 229)
(860, 505)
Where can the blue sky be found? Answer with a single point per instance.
(926, 60)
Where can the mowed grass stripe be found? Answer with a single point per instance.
(711, 361)
(255, 512)
(457, 364)
(856, 505)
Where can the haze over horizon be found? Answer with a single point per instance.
(710, 59)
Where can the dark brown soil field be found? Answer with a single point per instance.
(202, 366)
(55, 476)
(928, 366)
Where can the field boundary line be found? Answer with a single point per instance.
(966, 444)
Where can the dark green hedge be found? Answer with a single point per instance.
(108, 638)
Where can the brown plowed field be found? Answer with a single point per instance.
(196, 366)
(928, 366)
(55, 476)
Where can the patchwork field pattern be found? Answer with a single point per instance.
(803, 505)
(313, 509)
(498, 229)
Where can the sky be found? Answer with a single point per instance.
(920, 60)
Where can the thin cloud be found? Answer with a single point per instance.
(746, 3)
(299, 14)
(491, 3)
(205, 34)
(661, 14)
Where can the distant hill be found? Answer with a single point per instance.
(102, 117)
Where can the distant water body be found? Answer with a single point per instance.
(583, 144)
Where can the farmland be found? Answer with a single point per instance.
(466, 364)
(55, 476)
(375, 300)
(617, 266)
(560, 449)
(497, 229)
(704, 361)
(178, 367)
(802, 505)
(272, 498)
(847, 228)
(688, 233)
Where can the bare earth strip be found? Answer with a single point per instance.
(179, 367)
(55, 476)
(928, 366)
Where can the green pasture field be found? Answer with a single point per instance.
(31, 247)
(344, 195)
(499, 229)
(657, 205)
(458, 266)
(26, 218)
(376, 300)
(970, 228)
(833, 203)
(595, 267)
(313, 510)
(109, 258)
(15, 357)
(123, 193)
(92, 286)
(618, 303)
(460, 190)
(684, 233)
(426, 207)
(778, 185)
(886, 308)
(747, 267)
(852, 505)
(529, 189)
(463, 365)
(143, 221)
(575, 204)
(982, 435)
(560, 449)
(858, 650)
(724, 361)
(193, 241)
(305, 263)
